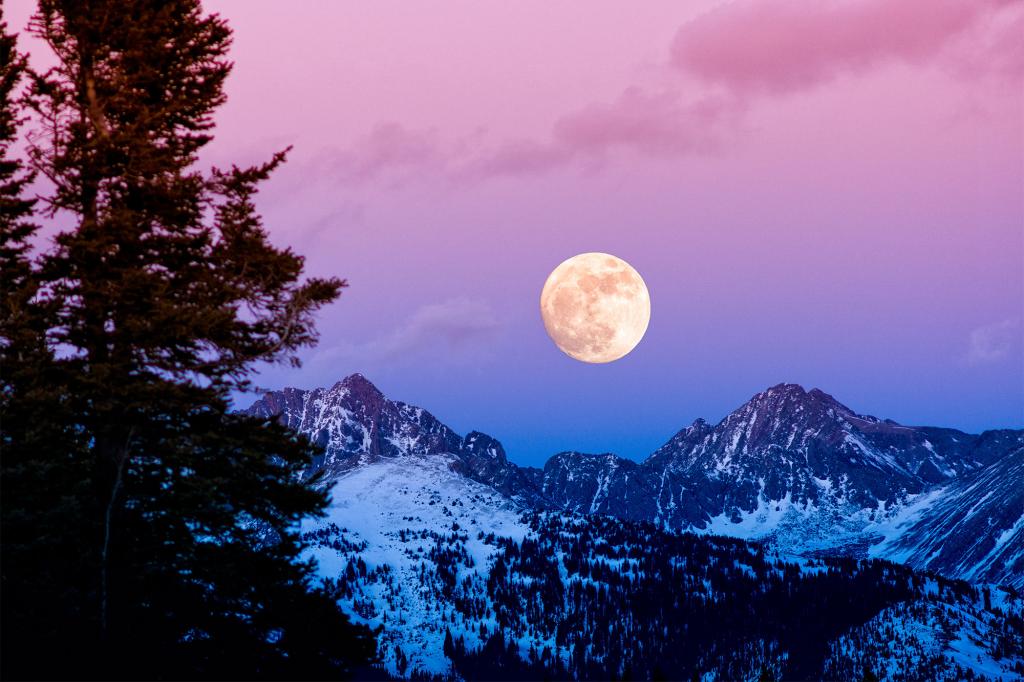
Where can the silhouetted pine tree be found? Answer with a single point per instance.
(147, 531)
(44, 480)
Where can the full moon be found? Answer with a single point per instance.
(595, 307)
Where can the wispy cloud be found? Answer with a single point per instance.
(651, 123)
(996, 48)
(654, 124)
(389, 147)
(459, 330)
(740, 51)
(659, 123)
(994, 342)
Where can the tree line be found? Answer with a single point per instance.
(599, 598)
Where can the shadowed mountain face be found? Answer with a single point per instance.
(805, 448)
(354, 422)
(786, 448)
(972, 528)
(790, 464)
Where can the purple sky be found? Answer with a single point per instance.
(828, 194)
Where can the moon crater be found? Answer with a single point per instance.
(595, 307)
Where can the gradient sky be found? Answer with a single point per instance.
(825, 193)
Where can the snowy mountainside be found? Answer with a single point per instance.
(973, 527)
(791, 466)
(356, 424)
(401, 519)
(464, 581)
(597, 484)
(810, 475)
(795, 448)
(928, 639)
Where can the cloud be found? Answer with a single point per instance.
(739, 50)
(996, 48)
(784, 46)
(518, 157)
(650, 123)
(765, 46)
(653, 124)
(458, 330)
(457, 325)
(388, 147)
(993, 343)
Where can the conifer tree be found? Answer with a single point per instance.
(38, 494)
(148, 530)
(17, 286)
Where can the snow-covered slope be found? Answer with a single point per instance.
(462, 582)
(810, 475)
(945, 640)
(790, 466)
(417, 526)
(972, 528)
(470, 567)
(356, 424)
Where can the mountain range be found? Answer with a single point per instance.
(760, 547)
(794, 467)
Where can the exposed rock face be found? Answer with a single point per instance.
(483, 459)
(807, 449)
(786, 448)
(596, 484)
(789, 463)
(355, 423)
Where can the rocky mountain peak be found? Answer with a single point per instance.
(358, 385)
(792, 400)
(784, 389)
(790, 443)
(482, 445)
(358, 393)
(355, 423)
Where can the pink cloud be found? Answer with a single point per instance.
(389, 146)
(781, 46)
(654, 124)
(997, 48)
(774, 47)
(519, 157)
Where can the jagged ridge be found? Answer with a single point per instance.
(792, 465)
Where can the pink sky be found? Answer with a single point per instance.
(828, 193)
